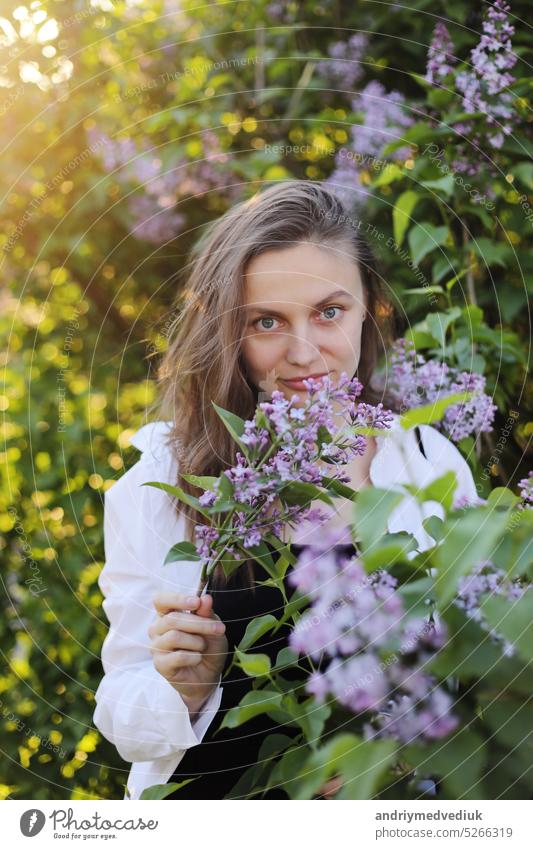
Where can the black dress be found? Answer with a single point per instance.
(222, 758)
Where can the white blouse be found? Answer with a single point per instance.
(137, 709)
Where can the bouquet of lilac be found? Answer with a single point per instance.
(279, 471)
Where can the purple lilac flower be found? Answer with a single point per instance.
(356, 623)
(487, 578)
(154, 218)
(344, 65)
(384, 118)
(152, 223)
(441, 60)
(416, 381)
(526, 491)
(492, 59)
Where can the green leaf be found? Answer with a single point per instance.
(312, 718)
(468, 539)
(203, 481)
(501, 496)
(253, 664)
(177, 492)
(339, 488)
(424, 290)
(282, 548)
(389, 174)
(255, 629)
(438, 322)
(182, 551)
(524, 172)
(434, 525)
(234, 424)
(433, 412)
(453, 280)
(301, 492)
(513, 620)
(443, 184)
(371, 513)
(391, 549)
(161, 791)
(458, 760)
(511, 721)
(420, 338)
(442, 490)
(424, 238)
(470, 654)
(362, 764)
(401, 214)
(285, 657)
(252, 704)
(263, 555)
(253, 778)
(492, 253)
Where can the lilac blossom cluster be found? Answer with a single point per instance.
(375, 655)
(416, 381)
(344, 64)
(285, 443)
(441, 59)
(491, 59)
(525, 487)
(483, 84)
(487, 578)
(383, 119)
(153, 213)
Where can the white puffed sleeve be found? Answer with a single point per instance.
(400, 462)
(137, 709)
(445, 456)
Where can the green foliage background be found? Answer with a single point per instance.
(86, 301)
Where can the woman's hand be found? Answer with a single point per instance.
(189, 648)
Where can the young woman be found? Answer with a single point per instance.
(280, 288)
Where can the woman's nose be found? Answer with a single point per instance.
(301, 349)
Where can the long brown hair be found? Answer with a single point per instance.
(203, 361)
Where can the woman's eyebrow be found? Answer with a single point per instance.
(334, 296)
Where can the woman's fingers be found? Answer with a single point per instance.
(206, 606)
(165, 602)
(189, 622)
(169, 663)
(173, 640)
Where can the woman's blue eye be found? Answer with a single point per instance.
(267, 319)
(331, 308)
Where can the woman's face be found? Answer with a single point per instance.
(305, 308)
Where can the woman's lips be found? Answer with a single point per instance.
(299, 384)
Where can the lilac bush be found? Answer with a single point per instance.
(483, 87)
(487, 578)
(415, 381)
(372, 655)
(344, 65)
(384, 117)
(375, 653)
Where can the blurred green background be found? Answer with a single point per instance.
(125, 128)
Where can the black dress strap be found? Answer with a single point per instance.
(419, 440)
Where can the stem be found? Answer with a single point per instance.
(470, 287)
